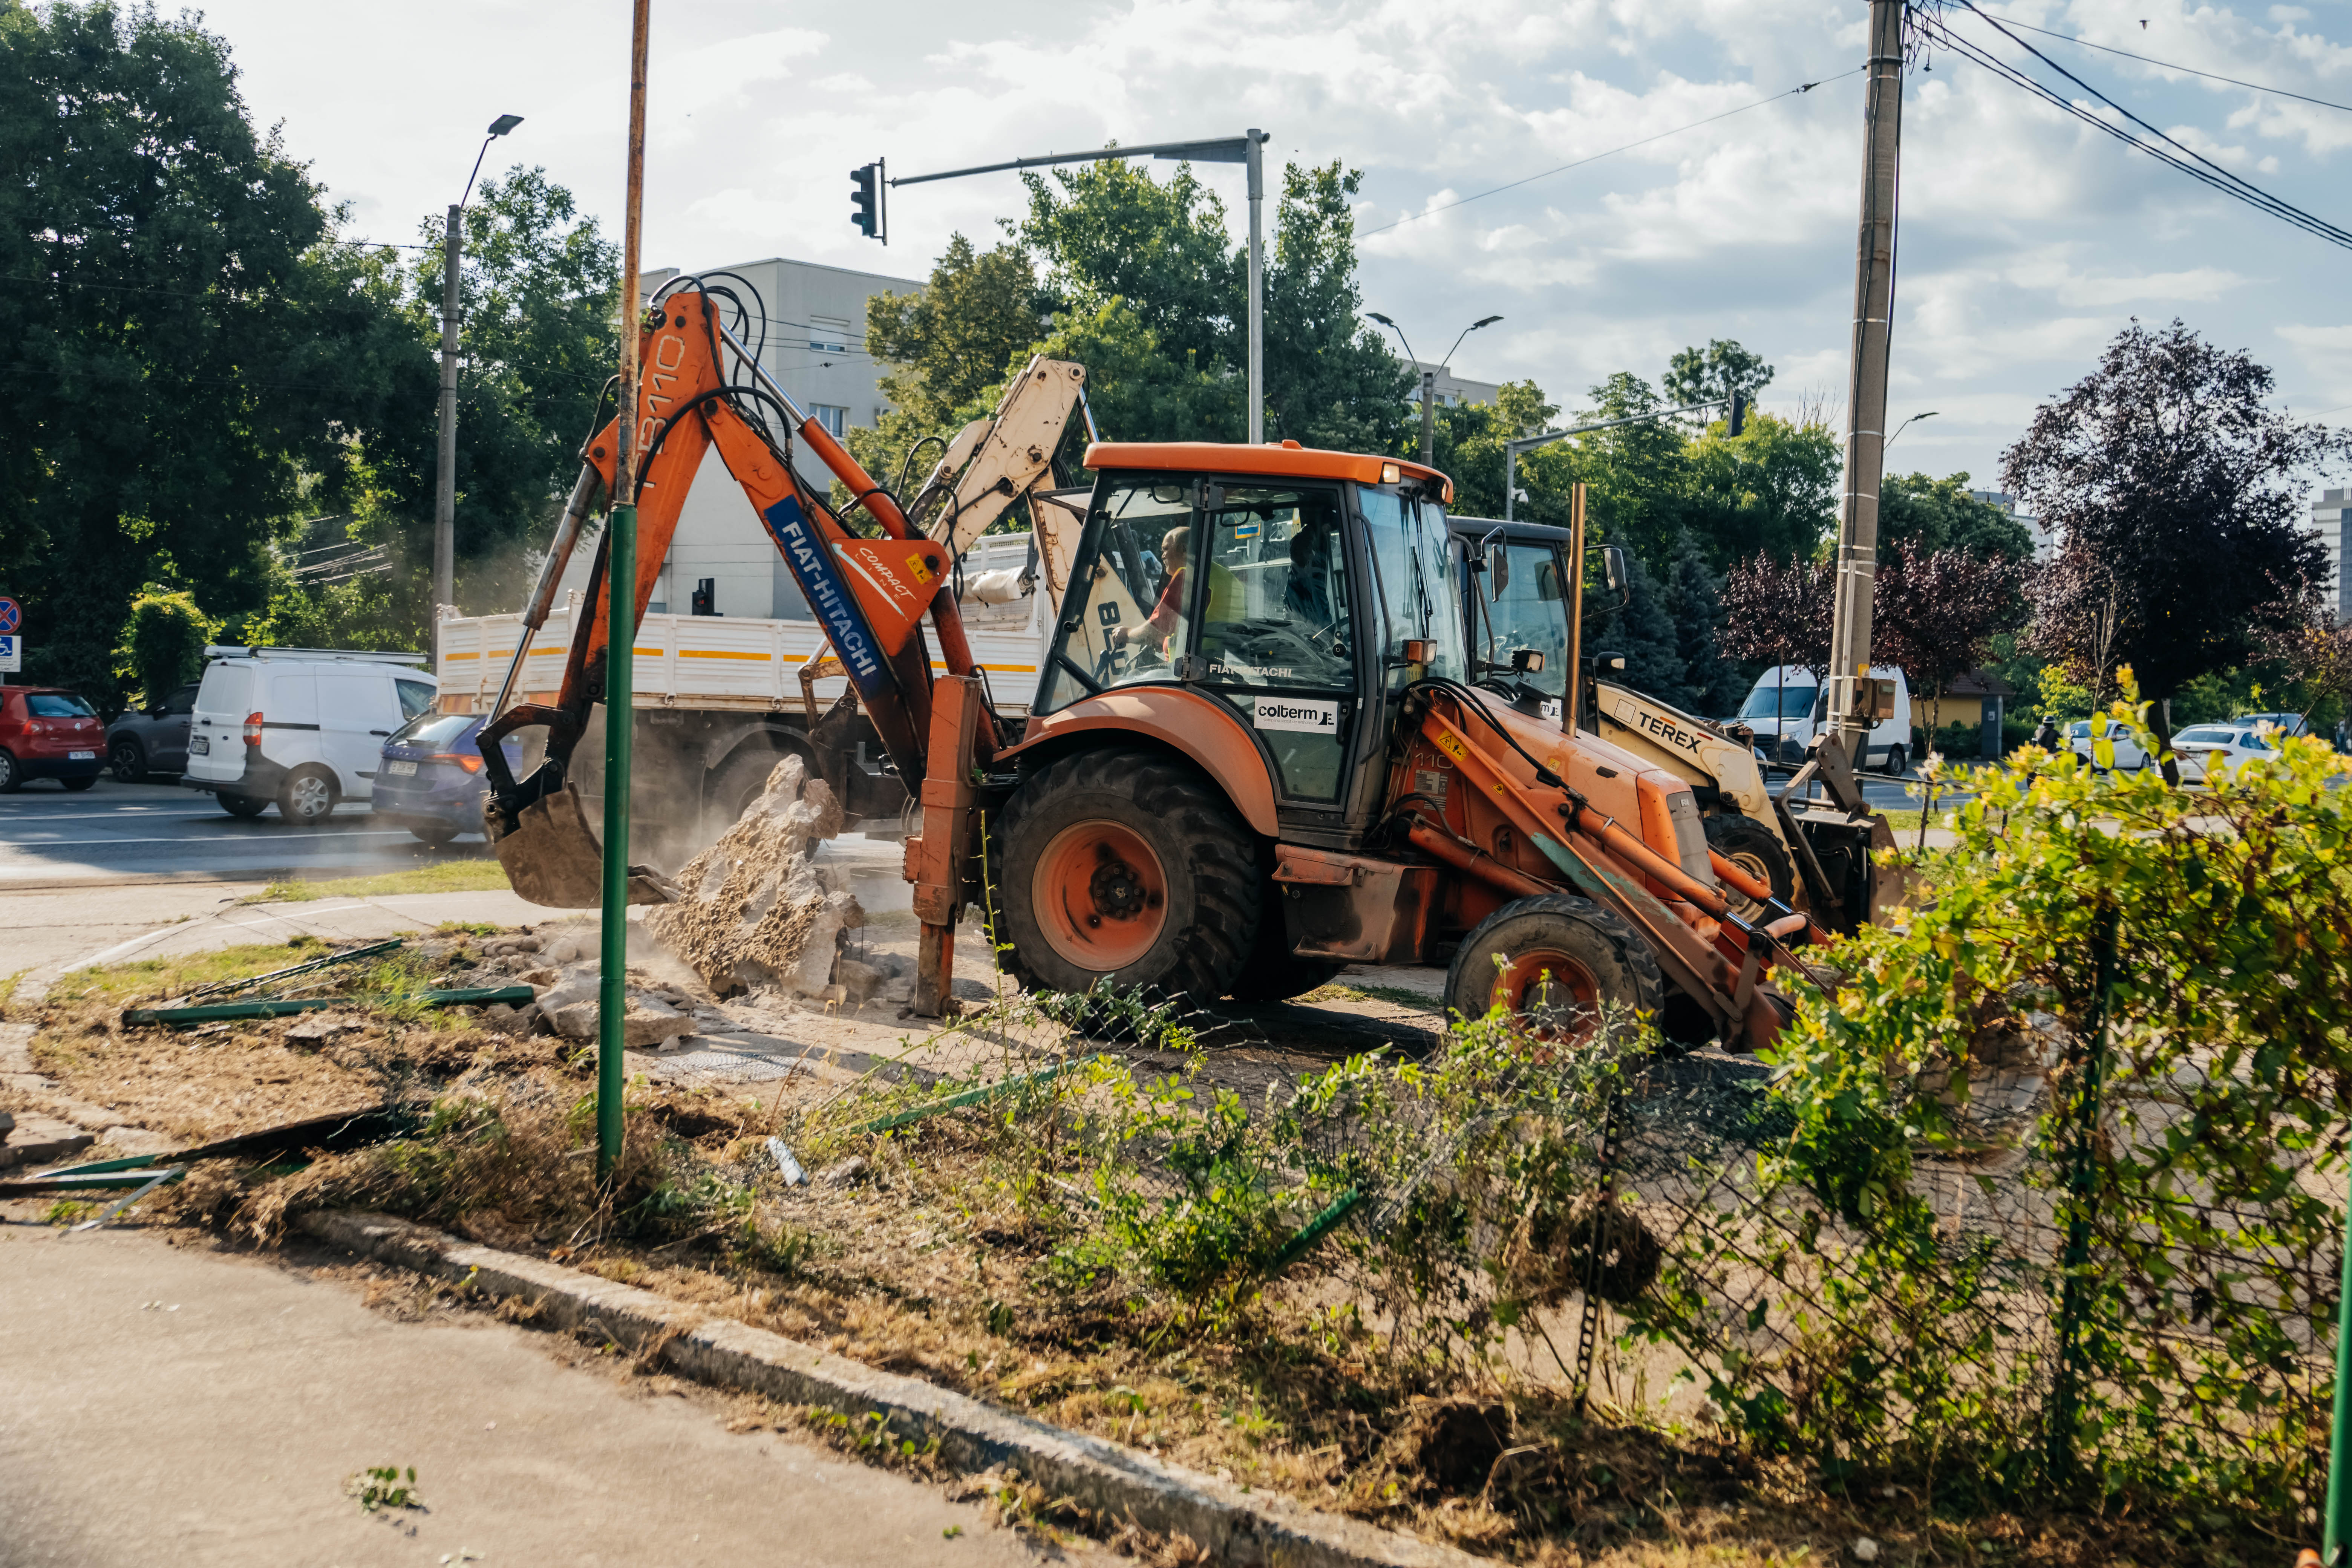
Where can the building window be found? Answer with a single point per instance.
(834, 417)
(828, 333)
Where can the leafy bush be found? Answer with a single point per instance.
(2153, 1292)
(162, 642)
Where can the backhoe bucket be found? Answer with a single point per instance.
(552, 858)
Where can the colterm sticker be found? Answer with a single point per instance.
(1293, 713)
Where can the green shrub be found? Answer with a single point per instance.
(162, 641)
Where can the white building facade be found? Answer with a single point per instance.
(2331, 524)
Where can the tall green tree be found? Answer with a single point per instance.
(1939, 515)
(196, 366)
(1717, 371)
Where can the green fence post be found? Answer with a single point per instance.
(2080, 1184)
(613, 981)
(2339, 1442)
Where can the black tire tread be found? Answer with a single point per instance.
(1632, 951)
(1209, 952)
(1729, 834)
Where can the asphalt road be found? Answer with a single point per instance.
(116, 833)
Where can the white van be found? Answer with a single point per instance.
(1786, 708)
(300, 727)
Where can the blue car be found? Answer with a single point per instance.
(430, 780)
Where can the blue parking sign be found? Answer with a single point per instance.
(11, 654)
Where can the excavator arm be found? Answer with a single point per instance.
(869, 594)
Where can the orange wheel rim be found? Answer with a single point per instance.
(1552, 994)
(1101, 895)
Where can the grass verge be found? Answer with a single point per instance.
(448, 877)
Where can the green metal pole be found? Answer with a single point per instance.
(620, 671)
(2339, 1441)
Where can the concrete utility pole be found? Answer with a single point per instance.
(1866, 435)
(1429, 378)
(1428, 416)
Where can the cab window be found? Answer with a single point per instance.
(1532, 613)
(1418, 600)
(1129, 610)
(1277, 631)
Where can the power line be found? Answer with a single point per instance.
(2191, 70)
(1548, 173)
(2190, 162)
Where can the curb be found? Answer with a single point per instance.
(1238, 1527)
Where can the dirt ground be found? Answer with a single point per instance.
(914, 1251)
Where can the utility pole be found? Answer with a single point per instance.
(1866, 435)
(444, 479)
(621, 637)
(1254, 156)
(1428, 416)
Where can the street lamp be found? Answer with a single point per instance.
(1906, 425)
(1248, 148)
(445, 483)
(1429, 378)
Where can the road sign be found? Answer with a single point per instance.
(12, 652)
(11, 617)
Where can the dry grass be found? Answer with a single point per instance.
(442, 876)
(937, 1263)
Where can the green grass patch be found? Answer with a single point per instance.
(448, 877)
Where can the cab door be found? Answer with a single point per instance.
(1276, 635)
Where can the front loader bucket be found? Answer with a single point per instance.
(552, 858)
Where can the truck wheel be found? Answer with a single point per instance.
(1750, 845)
(241, 805)
(1555, 960)
(1119, 866)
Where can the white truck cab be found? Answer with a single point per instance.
(299, 728)
(1785, 709)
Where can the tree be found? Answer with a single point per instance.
(1722, 368)
(162, 642)
(1941, 514)
(2176, 493)
(1331, 381)
(1778, 612)
(1693, 595)
(1771, 489)
(207, 364)
(1645, 633)
(948, 346)
(1936, 613)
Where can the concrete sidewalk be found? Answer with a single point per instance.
(173, 1405)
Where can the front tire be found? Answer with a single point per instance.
(75, 786)
(1121, 868)
(307, 798)
(12, 774)
(1557, 963)
(127, 758)
(1753, 847)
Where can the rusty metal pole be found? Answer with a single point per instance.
(620, 646)
(1865, 434)
(1575, 687)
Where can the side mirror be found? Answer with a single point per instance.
(1498, 569)
(1612, 563)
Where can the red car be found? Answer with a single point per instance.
(47, 732)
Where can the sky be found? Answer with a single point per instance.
(2027, 239)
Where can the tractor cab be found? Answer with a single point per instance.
(1300, 590)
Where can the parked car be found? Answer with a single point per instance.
(2284, 723)
(431, 782)
(299, 728)
(155, 740)
(2128, 754)
(47, 732)
(2206, 750)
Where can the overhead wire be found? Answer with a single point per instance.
(2171, 152)
(1627, 147)
(2188, 70)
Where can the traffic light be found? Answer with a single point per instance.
(865, 200)
(1739, 412)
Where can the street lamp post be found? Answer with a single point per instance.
(1907, 424)
(1247, 149)
(1429, 378)
(445, 481)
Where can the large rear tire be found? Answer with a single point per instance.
(1556, 961)
(1121, 868)
(1755, 850)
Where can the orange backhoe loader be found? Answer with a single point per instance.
(1255, 755)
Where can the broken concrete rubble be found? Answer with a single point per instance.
(756, 910)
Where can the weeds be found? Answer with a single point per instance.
(380, 1486)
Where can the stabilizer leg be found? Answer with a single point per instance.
(938, 860)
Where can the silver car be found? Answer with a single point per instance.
(152, 740)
